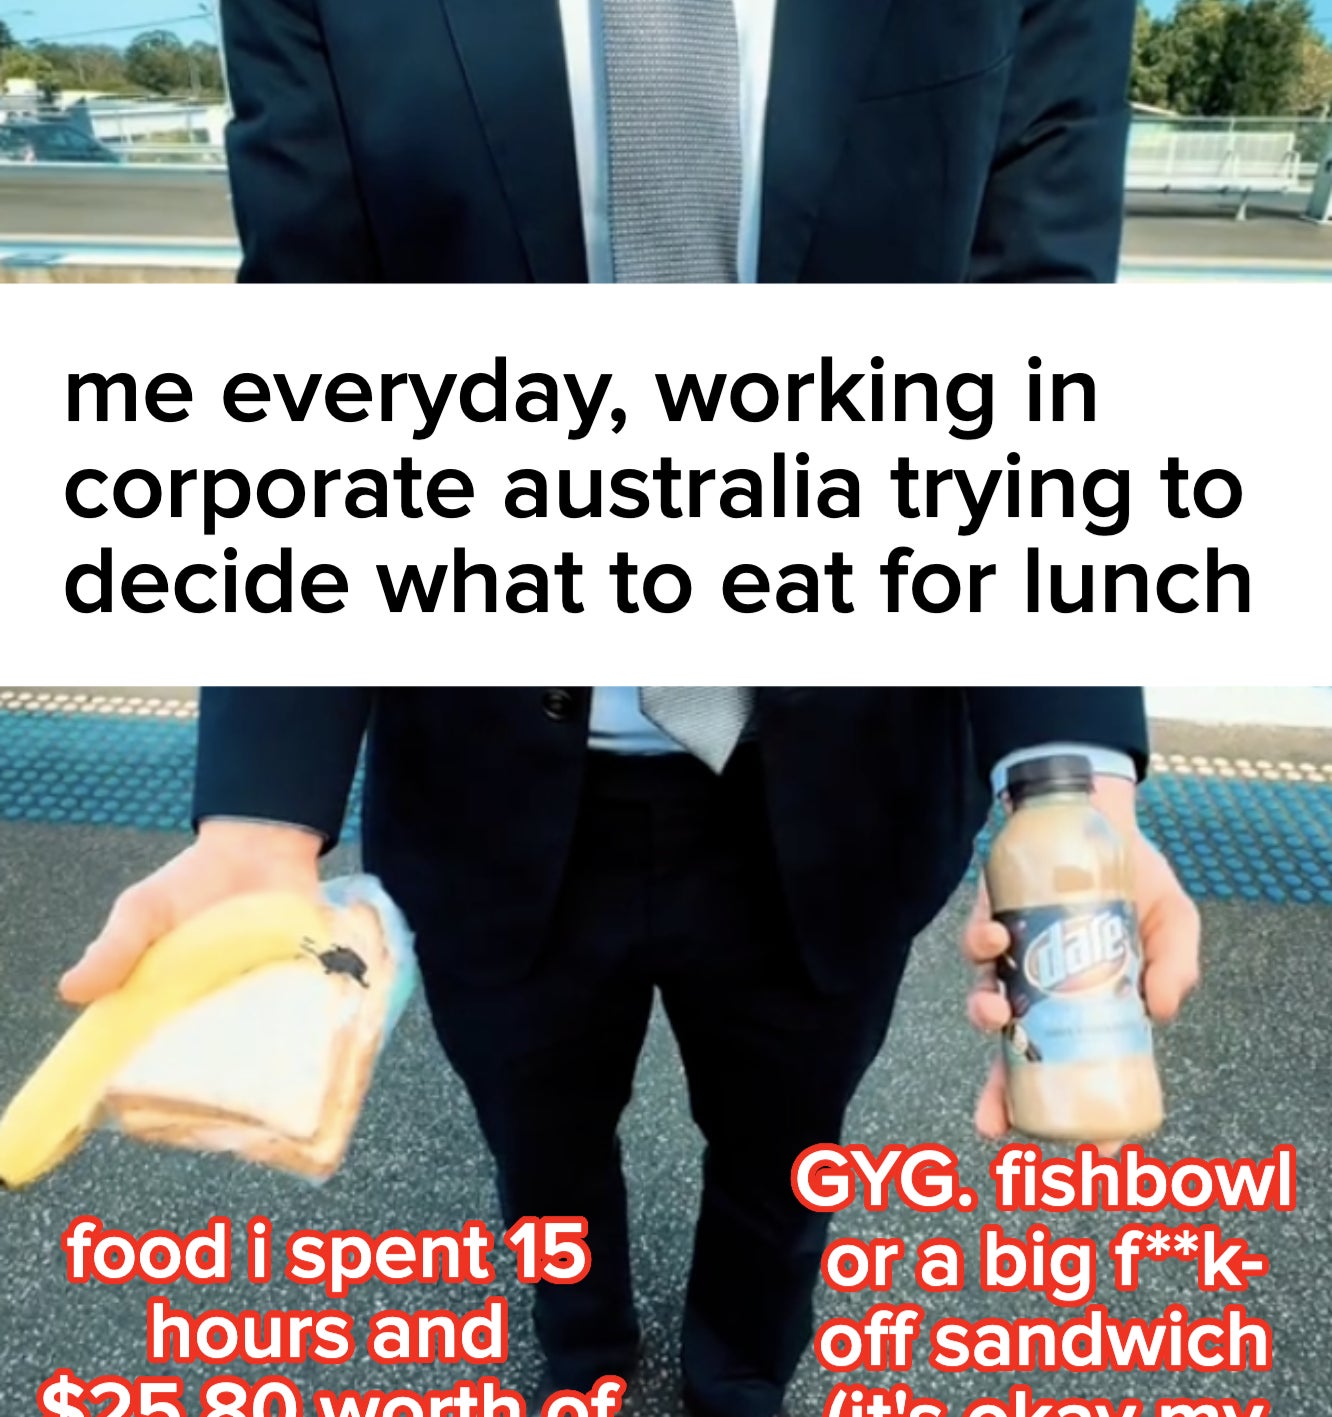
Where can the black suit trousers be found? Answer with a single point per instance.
(672, 888)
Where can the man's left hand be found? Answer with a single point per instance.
(1169, 926)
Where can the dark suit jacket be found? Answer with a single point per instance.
(906, 140)
(874, 797)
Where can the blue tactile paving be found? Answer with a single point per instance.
(103, 770)
(1230, 837)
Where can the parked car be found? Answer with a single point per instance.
(54, 140)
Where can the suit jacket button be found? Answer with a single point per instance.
(557, 705)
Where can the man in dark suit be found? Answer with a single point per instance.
(760, 859)
(678, 140)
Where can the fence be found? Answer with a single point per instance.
(1239, 156)
(1229, 156)
(130, 130)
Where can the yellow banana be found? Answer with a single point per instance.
(59, 1103)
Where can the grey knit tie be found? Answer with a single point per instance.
(673, 110)
(708, 722)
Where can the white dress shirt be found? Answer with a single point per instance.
(581, 21)
(619, 725)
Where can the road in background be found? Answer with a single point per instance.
(183, 215)
(115, 203)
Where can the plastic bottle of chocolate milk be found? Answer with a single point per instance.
(1079, 1049)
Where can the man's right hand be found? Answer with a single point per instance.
(227, 859)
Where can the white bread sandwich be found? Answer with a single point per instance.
(253, 1029)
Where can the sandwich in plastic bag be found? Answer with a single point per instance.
(253, 1028)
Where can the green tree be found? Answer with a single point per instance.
(207, 67)
(158, 63)
(1248, 58)
(6, 37)
(1313, 88)
(20, 63)
(98, 67)
(1261, 61)
(1152, 60)
(1199, 39)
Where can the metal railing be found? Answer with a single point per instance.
(127, 130)
(1166, 153)
(191, 154)
(1242, 156)
(141, 129)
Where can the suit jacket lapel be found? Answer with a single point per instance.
(821, 51)
(513, 54)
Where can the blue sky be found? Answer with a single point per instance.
(53, 18)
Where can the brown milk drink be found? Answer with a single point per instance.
(1078, 1052)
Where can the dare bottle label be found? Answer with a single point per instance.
(1072, 976)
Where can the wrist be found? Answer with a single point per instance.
(1117, 798)
(271, 840)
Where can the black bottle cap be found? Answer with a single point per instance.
(1060, 772)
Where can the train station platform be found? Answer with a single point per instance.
(135, 227)
(94, 794)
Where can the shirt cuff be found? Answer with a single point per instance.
(1106, 762)
(264, 822)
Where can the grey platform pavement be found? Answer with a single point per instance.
(147, 225)
(91, 798)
